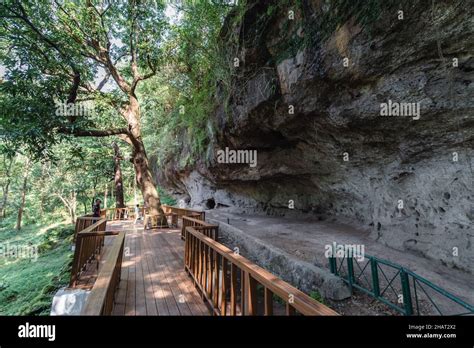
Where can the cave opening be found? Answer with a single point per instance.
(210, 203)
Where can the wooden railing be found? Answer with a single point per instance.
(180, 212)
(158, 221)
(88, 246)
(83, 222)
(211, 231)
(126, 213)
(101, 297)
(233, 285)
(172, 214)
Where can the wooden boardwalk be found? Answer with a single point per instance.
(153, 279)
(154, 272)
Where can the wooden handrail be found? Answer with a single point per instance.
(156, 220)
(128, 213)
(82, 223)
(215, 270)
(125, 213)
(88, 246)
(101, 297)
(183, 211)
(206, 228)
(93, 226)
(99, 233)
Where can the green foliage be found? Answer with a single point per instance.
(315, 295)
(45, 44)
(27, 286)
(165, 198)
(181, 99)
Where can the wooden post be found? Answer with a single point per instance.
(268, 302)
(290, 310)
(216, 280)
(224, 286)
(233, 289)
(251, 292)
(243, 292)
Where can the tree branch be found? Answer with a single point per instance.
(77, 76)
(93, 132)
(64, 200)
(125, 138)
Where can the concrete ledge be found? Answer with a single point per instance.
(301, 274)
(69, 301)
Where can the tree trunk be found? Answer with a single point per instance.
(106, 193)
(6, 188)
(144, 178)
(135, 199)
(43, 192)
(5, 198)
(73, 208)
(145, 181)
(71, 205)
(94, 193)
(23, 195)
(112, 194)
(118, 182)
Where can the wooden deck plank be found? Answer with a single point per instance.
(121, 293)
(198, 307)
(140, 299)
(151, 307)
(178, 294)
(160, 262)
(159, 271)
(194, 300)
(130, 300)
(158, 290)
(153, 279)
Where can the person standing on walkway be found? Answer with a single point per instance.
(96, 209)
(137, 214)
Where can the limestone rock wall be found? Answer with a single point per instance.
(409, 180)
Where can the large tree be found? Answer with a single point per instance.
(55, 50)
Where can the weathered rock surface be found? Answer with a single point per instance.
(409, 180)
(301, 274)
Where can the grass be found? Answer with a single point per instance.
(27, 285)
(315, 295)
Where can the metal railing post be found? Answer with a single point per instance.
(350, 270)
(406, 292)
(375, 277)
(333, 265)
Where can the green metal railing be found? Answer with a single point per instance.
(399, 288)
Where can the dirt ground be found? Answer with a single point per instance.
(306, 238)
